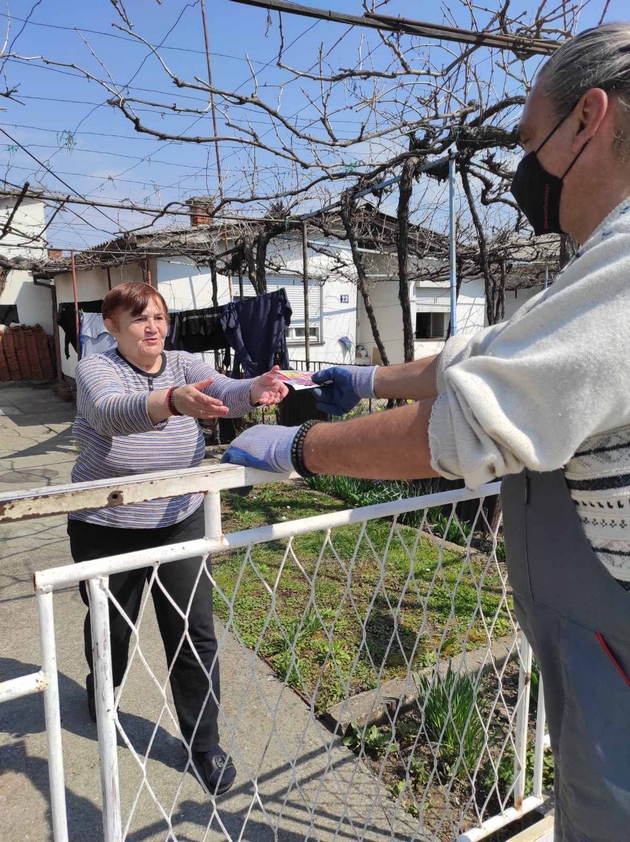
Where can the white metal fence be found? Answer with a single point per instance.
(382, 659)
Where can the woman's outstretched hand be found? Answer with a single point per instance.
(191, 400)
(268, 391)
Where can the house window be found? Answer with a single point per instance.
(294, 289)
(432, 325)
(297, 334)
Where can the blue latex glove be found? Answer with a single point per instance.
(265, 447)
(342, 387)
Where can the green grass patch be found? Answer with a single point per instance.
(452, 755)
(368, 492)
(330, 617)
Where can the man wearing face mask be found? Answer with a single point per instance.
(542, 401)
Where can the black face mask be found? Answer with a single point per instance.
(537, 192)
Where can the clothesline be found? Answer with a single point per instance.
(255, 329)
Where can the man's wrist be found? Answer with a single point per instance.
(363, 381)
(375, 373)
(298, 449)
(311, 450)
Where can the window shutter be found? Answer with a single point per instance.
(436, 300)
(295, 294)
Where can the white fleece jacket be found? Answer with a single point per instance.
(530, 391)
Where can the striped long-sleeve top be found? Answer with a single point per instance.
(116, 436)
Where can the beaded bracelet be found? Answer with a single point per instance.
(297, 449)
(171, 403)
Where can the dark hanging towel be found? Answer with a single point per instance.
(257, 330)
(67, 322)
(201, 330)
(8, 314)
(172, 337)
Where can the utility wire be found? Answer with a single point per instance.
(47, 168)
(241, 108)
(81, 29)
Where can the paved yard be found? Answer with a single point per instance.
(307, 786)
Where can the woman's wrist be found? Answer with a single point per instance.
(157, 406)
(252, 398)
(170, 402)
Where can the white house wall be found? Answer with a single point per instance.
(338, 319)
(384, 295)
(34, 303)
(339, 311)
(514, 299)
(471, 307)
(92, 285)
(186, 287)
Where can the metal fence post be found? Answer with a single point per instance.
(522, 722)
(307, 318)
(212, 515)
(452, 250)
(105, 709)
(539, 755)
(52, 716)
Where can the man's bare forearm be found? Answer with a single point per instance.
(385, 445)
(413, 381)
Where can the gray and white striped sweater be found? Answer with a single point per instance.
(549, 390)
(598, 477)
(116, 437)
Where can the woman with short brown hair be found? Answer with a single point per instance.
(137, 411)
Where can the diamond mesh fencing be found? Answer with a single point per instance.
(373, 683)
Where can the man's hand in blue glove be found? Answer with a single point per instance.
(342, 387)
(265, 447)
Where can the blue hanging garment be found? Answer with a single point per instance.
(257, 330)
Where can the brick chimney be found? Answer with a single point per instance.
(200, 210)
(55, 254)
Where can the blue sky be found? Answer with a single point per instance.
(64, 123)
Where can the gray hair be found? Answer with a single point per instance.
(596, 58)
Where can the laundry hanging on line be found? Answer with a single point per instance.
(8, 314)
(201, 330)
(254, 328)
(66, 319)
(257, 330)
(95, 338)
(172, 337)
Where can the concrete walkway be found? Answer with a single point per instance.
(294, 781)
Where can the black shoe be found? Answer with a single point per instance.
(216, 770)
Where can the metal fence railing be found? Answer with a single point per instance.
(313, 365)
(382, 654)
